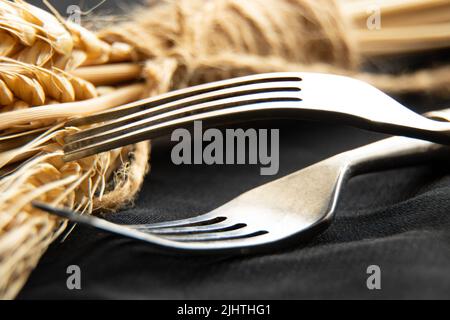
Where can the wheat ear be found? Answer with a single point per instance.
(39, 90)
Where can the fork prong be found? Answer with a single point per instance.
(204, 219)
(181, 94)
(185, 102)
(216, 236)
(216, 227)
(120, 130)
(263, 109)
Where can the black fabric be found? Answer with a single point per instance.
(396, 219)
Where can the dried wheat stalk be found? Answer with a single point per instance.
(37, 94)
(405, 26)
(188, 42)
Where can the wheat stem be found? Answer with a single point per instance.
(79, 108)
(110, 73)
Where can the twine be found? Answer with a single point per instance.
(188, 42)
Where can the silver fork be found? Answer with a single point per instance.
(282, 212)
(312, 96)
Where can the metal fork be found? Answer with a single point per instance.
(282, 212)
(310, 96)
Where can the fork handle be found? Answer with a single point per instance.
(391, 153)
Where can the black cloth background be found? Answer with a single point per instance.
(397, 219)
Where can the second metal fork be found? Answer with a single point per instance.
(285, 211)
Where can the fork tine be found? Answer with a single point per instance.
(141, 105)
(21, 134)
(216, 236)
(204, 219)
(186, 102)
(86, 148)
(171, 115)
(216, 227)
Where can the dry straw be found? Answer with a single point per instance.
(51, 70)
(38, 52)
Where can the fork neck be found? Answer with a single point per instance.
(415, 125)
(390, 153)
